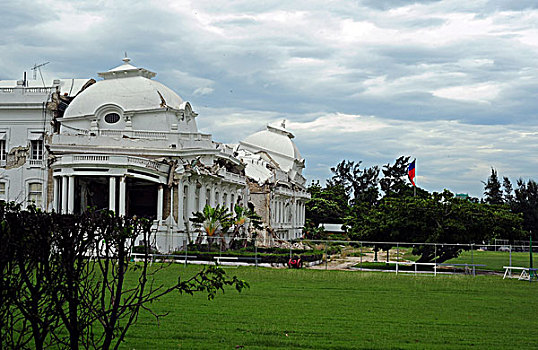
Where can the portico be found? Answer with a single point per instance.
(124, 184)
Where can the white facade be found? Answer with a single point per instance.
(128, 143)
(24, 127)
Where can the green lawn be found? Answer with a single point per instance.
(316, 309)
(493, 260)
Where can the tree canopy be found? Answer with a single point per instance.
(380, 206)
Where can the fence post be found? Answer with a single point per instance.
(326, 256)
(289, 242)
(435, 260)
(186, 243)
(256, 251)
(472, 258)
(220, 247)
(510, 273)
(361, 256)
(397, 256)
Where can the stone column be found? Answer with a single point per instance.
(172, 203)
(112, 193)
(55, 197)
(71, 194)
(122, 197)
(180, 204)
(64, 194)
(160, 195)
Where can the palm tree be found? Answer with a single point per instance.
(244, 218)
(212, 220)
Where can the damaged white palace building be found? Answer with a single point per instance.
(128, 143)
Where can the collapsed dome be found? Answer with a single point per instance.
(277, 142)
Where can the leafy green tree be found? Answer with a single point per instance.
(440, 217)
(360, 184)
(508, 191)
(394, 181)
(492, 189)
(526, 202)
(326, 205)
(64, 279)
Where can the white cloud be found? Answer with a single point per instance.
(203, 91)
(483, 93)
(452, 82)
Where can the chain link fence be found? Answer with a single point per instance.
(398, 257)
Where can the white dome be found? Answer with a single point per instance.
(129, 87)
(277, 142)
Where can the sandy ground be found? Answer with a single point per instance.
(343, 262)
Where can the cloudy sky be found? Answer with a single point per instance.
(451, 83)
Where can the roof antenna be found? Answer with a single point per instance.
(37, 67)
(126, 59)
(283, 124)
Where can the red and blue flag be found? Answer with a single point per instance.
(411, 172)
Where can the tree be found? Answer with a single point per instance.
(213, 220)
(26, 289)
(440, 217)
(526, 202)
(64, 279)
(394, 181)
(492, 189)
(326, 204)
(508, 191)
(243, 220)
(362, 184)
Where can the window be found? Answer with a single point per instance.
(3, 150)
(208, 197)
(112, 118)
(2, 191)
(197, 199)
(35, 190)
(232, 204)
(37, 149)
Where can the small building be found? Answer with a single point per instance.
(333, 229)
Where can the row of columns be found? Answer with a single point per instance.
(64, 195)
(195, 198)
(281, 214)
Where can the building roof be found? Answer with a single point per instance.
(334, 228)
(126, 86)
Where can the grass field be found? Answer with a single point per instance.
(316, 309)
(493, 260)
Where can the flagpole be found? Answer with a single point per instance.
(415, 184)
